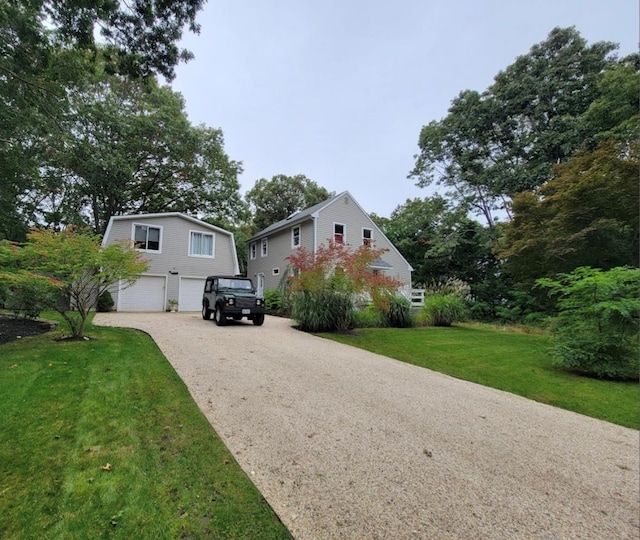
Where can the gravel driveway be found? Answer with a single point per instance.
(348, 444)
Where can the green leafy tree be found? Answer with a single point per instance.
(587, 215)
(71, 269)
(596, 327)
(139, 38)
(614, 115)
(49, 49)
(129, 148)
(441, 242)
(276, 199)
(505, 140)
(33, 101)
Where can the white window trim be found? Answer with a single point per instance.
(264, 247)
(213, 244)
(133, 236)
(253, 251)
(370, 236)
(275, 271)
(344, 232)
(293, 244)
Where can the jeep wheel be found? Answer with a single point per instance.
(206, 312)
(258, 319)
(218, 317)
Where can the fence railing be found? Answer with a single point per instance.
(417, 297)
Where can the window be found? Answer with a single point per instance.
(200, 244)
(264, 247)
(367, 237)
(275, 271)
(253, 249)
(338, 233)
(146, 237)
(295, 237)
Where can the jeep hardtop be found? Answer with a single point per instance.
(231, 297)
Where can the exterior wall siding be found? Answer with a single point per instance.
(279, 247)
(347, 212)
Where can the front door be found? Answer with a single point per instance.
(260, 286)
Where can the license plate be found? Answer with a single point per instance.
(246, 311)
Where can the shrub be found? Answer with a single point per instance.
(105, 302)
(322, 311)
(443, 309)
(398, 315)
(27, 295)
(596, 327)
(273, 300)
(368, 317)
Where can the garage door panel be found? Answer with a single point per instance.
(146, 294)
(190, 296)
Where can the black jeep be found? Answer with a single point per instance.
(231, 297)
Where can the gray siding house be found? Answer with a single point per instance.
(182, 251)
(340, 218)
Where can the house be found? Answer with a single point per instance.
(339, 218)
(182, 251)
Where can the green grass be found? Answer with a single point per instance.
(512, 361)
(70, 407)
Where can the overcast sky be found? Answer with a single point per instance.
(338, 90)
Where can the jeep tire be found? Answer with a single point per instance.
(258, 320)
(219, 317)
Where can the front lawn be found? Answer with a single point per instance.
(507, 360)
(101, 439)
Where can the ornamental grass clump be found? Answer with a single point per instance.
(323, 311)
(326, 282)
(453, 286)
(399, 313)
(443, 309)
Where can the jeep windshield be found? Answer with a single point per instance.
(237, 284)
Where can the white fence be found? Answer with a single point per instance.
(417, 297)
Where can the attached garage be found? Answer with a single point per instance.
(146, 294)
(190, 296)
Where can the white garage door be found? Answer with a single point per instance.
(146, 294)
(190, 297)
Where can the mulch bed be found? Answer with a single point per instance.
(12, 328)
